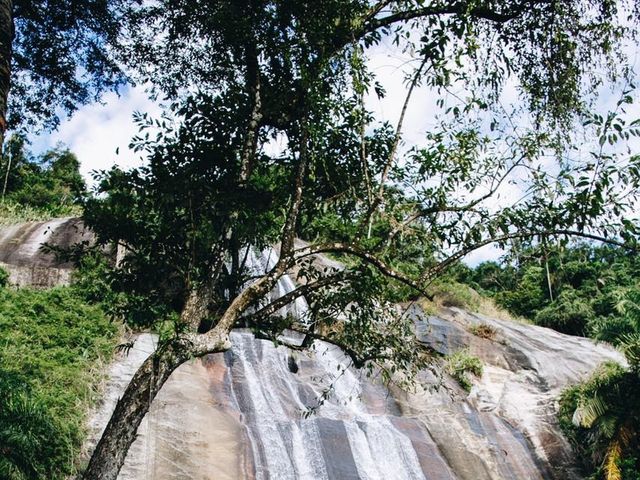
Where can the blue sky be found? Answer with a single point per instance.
(95, 132)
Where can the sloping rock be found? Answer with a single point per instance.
(242, 414)
(22, 256)
(526, 367)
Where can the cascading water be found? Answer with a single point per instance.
(342, 439)
(259, 264)
(240, 415)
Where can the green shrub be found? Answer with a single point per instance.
(461, 366)
(570, 314)
(4, 277)
(528, 297)
(26, 433)
(454, 294)
(53, 345)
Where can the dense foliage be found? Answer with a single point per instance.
(53, 346)
(62, 57)
(573, 289)
(37, 187)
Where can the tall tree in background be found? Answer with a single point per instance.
(242, 73)
(55, 56)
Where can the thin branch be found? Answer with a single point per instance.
(398, 135)
(251, 140)
(338, 247)
(301, 291)
(289, 230)
(459, 8)
(376, 9)
(394, 147)
(430, 274)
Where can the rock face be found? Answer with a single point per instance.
(241, 415)
(27, 264)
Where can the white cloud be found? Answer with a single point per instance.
(96, 131)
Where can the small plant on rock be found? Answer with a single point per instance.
(462, 366)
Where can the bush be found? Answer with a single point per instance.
(569, 314)
(528, 297)
(483, 330)
(462, 365)
(26, 433)
(53, 344)
(4, 278)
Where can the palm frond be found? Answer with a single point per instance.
(588, 411)
(630, 347)
(611, 468)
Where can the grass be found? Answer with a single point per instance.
(12, 212)
(454, 294)
(53, 346)
(483, 330)
(462, 366)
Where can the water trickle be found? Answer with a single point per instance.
(288, 444)
(341, 440)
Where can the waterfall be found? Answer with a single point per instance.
(342, 439)
(240, 415)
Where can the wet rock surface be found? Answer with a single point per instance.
(242, 414)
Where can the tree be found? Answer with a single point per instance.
(54, 57)
(50, 182)
(239, 74)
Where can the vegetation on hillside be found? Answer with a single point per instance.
(53, 343)
(53, 348)
(601, 416)
(573, 289)
(39, 187)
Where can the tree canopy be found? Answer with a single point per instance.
(56, 55)
(240, 76)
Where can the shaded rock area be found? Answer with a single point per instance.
(22, 256)
(241, 415)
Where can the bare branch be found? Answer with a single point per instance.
(459, 8)
(430, 274)
(394, 147)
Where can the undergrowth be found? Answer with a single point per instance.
(12, 212)
(53, 345)
(454, 294)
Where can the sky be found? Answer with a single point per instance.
(97, 131)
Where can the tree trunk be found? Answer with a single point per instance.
(110, 452)
(6, 50)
